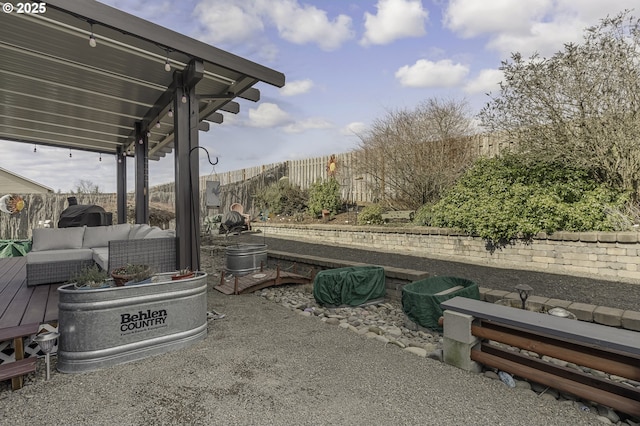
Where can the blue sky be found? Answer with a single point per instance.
(347, 63)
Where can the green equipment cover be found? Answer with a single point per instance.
(421, 299)
(351, 286)
(14, 248)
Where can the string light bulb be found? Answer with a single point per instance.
(140, 141)
(35, 148)
(170, 113)
(167, 65)
(100, 158)
(158, 125)
(70, 155)
(184, 99)
(92, 39)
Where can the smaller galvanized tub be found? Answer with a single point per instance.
(108, 326)
(246, 258)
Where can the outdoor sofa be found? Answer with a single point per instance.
(59, 253)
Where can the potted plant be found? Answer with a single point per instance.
(183, 274)
(91, 277)
(130, 273)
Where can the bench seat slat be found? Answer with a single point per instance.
(585, 333)
(17, 368)
(24, 330)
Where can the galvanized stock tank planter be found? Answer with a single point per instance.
(245, 258)
(103, 327)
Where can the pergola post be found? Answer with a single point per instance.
(121, 191)
(142, 174)
(187, 189)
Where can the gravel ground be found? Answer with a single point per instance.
(576, 289)
(262, 364)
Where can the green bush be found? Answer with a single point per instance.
(324, 195)
(371, 215)
(505, 198)
(282, 198)
(424, 215)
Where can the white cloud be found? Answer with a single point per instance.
(395, 19)
(307, 124)
(471, 18)
(297, 87)
(354, 129)
(542, 26)
(245, 21)
(487, 81)
(302, 24)
(268, 115)
(228, 21)
(424, 73)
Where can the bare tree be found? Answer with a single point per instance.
(413, 155)
(84, 186)
(580, 107)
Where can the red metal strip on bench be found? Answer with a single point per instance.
(589, 334)
(610, 362)
(614, 395)
(11, 370)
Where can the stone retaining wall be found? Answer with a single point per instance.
(604, 255)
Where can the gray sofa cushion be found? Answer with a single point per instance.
(62, 255)
(99, 236)
(139, 231)
(57, 238)
(157, 232)
(101, 257)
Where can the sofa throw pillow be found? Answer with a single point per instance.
(57, 238)
(99, 236)
(156, 232)
(139, 231)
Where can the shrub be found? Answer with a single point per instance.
(505, 198)
(324, 195)
(371, 215)
(424, 215)
(282, 198)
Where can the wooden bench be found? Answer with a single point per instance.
(15, 370)
(398, 215)
(611, 350)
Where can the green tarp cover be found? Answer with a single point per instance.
(14, 248)
(421, 299)
(351, 286)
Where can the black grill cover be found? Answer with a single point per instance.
(84, 215)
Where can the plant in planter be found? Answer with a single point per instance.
(183, 274)
(130, 273)
(91, 277)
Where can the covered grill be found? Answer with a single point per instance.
(83, 215)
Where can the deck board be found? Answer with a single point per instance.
(20, 304)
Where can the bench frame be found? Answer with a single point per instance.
(470, 324)
(398, 214)
(21, 366)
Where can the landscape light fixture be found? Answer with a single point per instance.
(47, 342)
(524, 291)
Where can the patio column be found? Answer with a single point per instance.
(187, 171)
(121, 185)
(142, 174)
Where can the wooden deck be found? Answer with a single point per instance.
(19, 304)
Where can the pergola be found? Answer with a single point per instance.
(79, 74)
